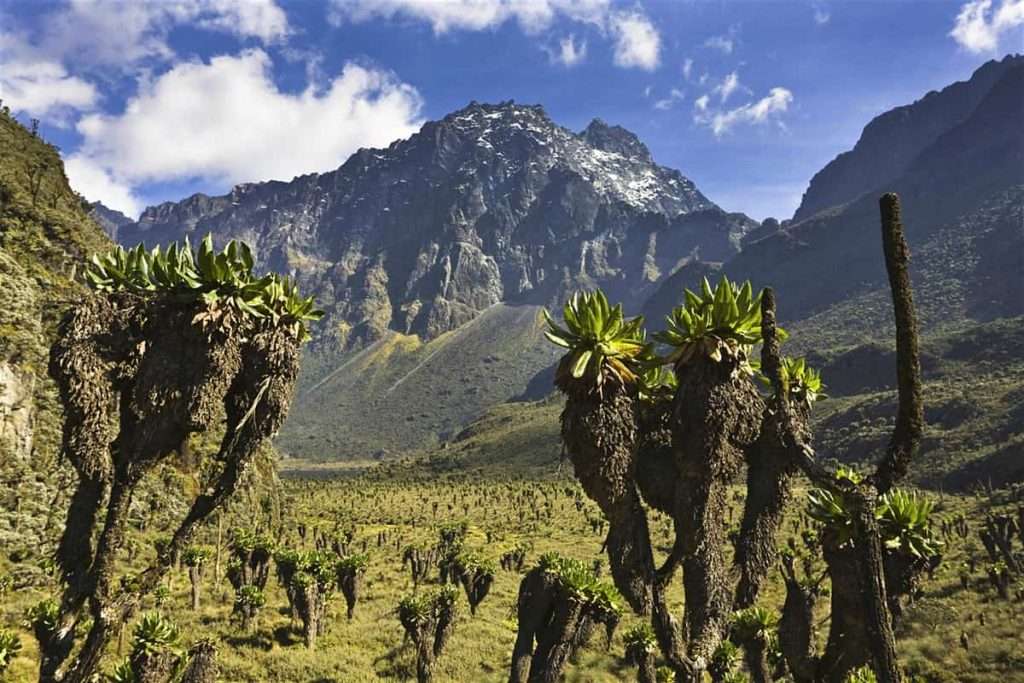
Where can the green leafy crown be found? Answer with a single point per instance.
(718, 323)
(801, 381)
(602, 345)
(217, 278)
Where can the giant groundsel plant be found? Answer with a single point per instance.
(680, 444)
(170, 343)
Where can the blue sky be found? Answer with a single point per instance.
(152, 101)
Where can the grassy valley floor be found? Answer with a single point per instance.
(547, 513)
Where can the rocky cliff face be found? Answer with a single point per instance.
(493, 203)
(109, 219)
(962, 194)
(892, 142)
(21, 354)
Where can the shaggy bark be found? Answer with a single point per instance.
(717, 414)
(601, 438)
(430, 633)
(770, 471)
(350, 580)
(796, 626)
(477, 584)
(311, 604)
(202, 663)
(534, 604)
(195, 577)
(645, 665)
(553, 626)
(656, 472)
(169, 376)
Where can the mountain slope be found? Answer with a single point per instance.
(108, 219)
(45, 237)
(399, 392)
(892, 141)
(962, 198)
(462, 230)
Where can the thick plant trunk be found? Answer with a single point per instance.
(349, 583)
(871, 567)
(106, 614)
(716, 417)
(770, 471)
(536, 596)
(601, 438)
(755, 655)
(796, 627)
(656, 472)
(849, 644)
(424, 662)
(556, 643)
(202, 664)
(646, 671)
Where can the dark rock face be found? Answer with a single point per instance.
(962, 202)
(493, 203)
(108, 219)
(891, 142)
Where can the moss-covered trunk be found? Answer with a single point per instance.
(716, 417)
(601, 436)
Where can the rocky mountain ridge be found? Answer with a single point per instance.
(434, 255)
(892, 141)
(491, 204)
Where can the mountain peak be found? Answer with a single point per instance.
(615, 139)
(494, 203)
(487, 114)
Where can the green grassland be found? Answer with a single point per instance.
(411, 503)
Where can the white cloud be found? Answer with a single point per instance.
(121, 33)
(728, 86)
(978, 28)
(261, 19)
(722, 121)
(687, 68)
(226, 121)
(637, 43)
(821, 15)
(701, 103)
(472, 15)
(97, 184)
(81, 35)
(675, 95)
(636, 40)
(569, 52)
(44, 89)
(725, 43)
